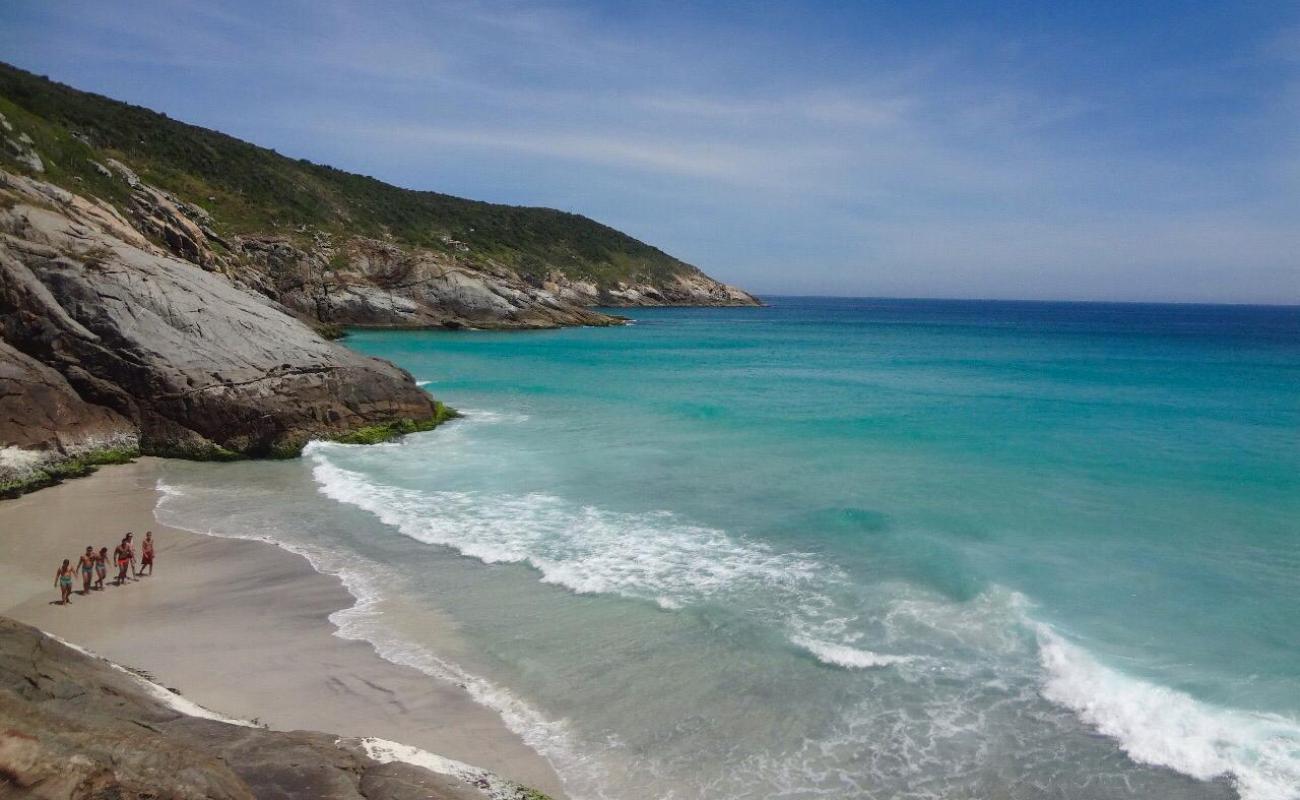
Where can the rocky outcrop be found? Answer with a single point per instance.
(75, 727)
(338, 248)
(20, 146)
(684, 289)
(366, 282)
(198, 366)
(46, 421)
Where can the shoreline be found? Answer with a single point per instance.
(240, 627)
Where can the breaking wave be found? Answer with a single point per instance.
(1157, 725)
(652, 556)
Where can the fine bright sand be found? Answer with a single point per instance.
(240, 627)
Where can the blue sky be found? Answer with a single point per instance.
(1129, 151)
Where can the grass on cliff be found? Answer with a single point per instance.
(76, 467)
(251, 189)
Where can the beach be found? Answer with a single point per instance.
(239, 627)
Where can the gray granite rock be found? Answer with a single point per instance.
(198, 365)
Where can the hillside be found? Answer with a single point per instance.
(332, 246)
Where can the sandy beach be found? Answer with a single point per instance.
(239, 627)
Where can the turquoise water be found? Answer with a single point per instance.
(839, 548)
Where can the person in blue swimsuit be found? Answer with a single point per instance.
(63, 580)
(87, 566)
(101, 567)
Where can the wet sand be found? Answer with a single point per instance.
(240, 627)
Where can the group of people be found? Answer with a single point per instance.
(94, 566)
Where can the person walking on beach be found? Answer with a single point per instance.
(129, 541)
(146, 553)
(122, 555)
(63, 580)
(87, 566)
(101, 568)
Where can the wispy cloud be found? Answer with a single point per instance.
(699, 159)
(887, 157)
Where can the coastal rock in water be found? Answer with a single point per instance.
(685, 289)
(199, 366)
(75, 727)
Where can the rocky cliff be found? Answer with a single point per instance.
(167, 289)
(75, 727)
(111, 342)
(332, 247)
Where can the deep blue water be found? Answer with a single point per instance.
(844, 547)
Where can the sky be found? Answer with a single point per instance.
(1081, 151)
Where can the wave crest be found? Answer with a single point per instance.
(652, 556)
(1162, 726)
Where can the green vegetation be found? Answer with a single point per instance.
(196, 452)
(250, 189)
(374, 434)
(76, 467)
(330, 331)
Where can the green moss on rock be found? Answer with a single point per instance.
(330, 331)
(75, 467)
(374, 434)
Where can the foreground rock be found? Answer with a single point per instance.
(110, 338)
(75, 727)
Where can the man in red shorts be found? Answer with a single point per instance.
(146, 553)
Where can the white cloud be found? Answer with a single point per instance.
(923, 156)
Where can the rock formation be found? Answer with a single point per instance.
(109, 337)
(335, 248)
(368, 282)
(75, 727)
(164, 288)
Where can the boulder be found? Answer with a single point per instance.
(45, 420)
(200, 367)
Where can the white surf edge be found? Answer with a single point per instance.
(1258, 752)
(167, 697)
(547, 738)
(489, 783)
(718, 559)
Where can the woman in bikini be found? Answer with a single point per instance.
(101, 567)
(87, 565)
(63, 580)
(146, 553)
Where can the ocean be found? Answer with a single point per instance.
(836, 548)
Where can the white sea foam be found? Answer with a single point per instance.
(1158, 725)
(491, 785)
(423, 383)
(487, 416)
(651, 556)
(842, 655)
(587, 550)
